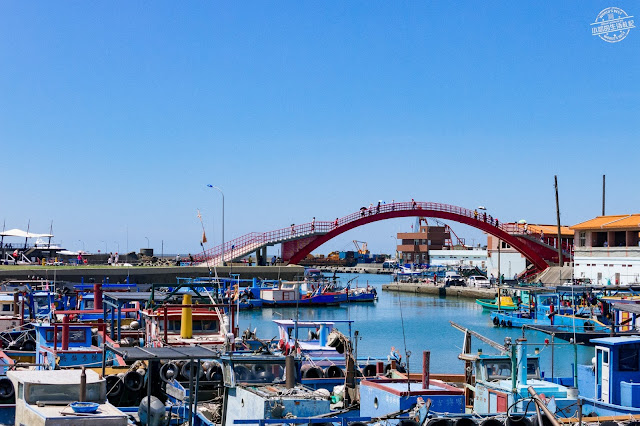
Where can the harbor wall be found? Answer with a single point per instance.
(428, 288)
(148, 275)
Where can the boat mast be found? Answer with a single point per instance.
(558, 220)
(603, 180)
(27, 236)
(50, 235)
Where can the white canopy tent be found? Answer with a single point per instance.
(23, 234)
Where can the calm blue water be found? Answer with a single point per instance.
(426, 327)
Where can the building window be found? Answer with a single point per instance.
(582, 241)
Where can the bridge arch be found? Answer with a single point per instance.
(300, 240)
(296, 249)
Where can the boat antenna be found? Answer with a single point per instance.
(27, 236)
(50, 234)
(4, 222)
(404, 338)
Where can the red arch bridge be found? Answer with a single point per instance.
(300, 240)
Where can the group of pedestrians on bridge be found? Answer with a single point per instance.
(484, 218)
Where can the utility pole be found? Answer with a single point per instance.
(558, 219)
(603, 181)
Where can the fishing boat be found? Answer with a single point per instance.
(505, 303)
(303, 294)
(507, 382)
(621, 320)
(551, 308)
(362, 294)
(611, 385)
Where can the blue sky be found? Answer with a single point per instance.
(115, 115)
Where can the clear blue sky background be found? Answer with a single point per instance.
(115, 115)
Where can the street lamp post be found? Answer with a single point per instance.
(395, 245)
(82, 244)
(147, 241)
(117, 244)
(106, 247)
(221, 193)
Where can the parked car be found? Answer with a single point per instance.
(453, 278)
(478, 281)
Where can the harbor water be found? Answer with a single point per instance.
(417, 322)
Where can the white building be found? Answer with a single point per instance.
(607, 249)
(511, 261)
(475, 257)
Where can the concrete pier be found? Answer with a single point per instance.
(428, 288)
(147, 274)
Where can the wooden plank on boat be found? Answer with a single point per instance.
(597, 419)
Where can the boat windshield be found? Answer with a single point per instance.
(259, 373)
(41, 301)
(501, 369)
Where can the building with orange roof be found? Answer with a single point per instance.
(607, 249)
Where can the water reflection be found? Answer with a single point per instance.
(426, 327)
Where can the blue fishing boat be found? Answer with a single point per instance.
(611, 386)
(552, 309)
(303, 294)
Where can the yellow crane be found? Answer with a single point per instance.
(363, 249)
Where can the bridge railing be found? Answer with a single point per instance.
(245, 244)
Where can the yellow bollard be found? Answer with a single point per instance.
(186, 320)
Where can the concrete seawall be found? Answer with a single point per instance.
(148, 275)
(427, 288)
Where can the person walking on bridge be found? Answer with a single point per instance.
(335, 224)
(313, 224)
(293, 230)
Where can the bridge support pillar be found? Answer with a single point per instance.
(261, 256)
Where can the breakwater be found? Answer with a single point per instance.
(428, 288)
(146, 274)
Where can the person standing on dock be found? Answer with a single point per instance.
(116, 259)
(273, 260)
(110, 260)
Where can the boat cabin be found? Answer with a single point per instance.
(44, 398)
(10, 310)
(617, 370)
(257, 388)
(312, 337)
(503, 380)
(66, 346)
(166, 326)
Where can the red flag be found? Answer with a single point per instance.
(204, 237)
